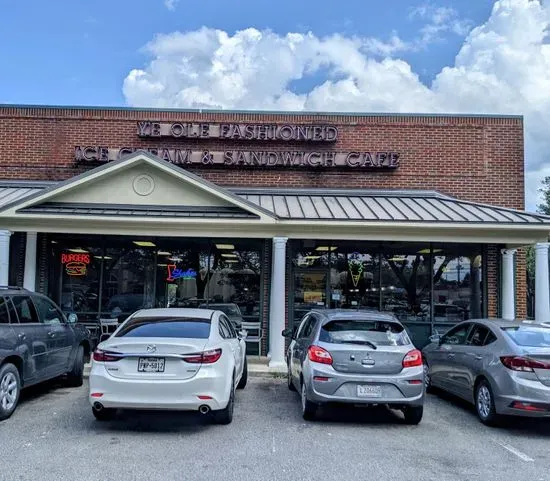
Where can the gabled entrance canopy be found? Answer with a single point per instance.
(139, 188)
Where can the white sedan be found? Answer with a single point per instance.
(174, 359)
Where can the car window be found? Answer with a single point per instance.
(174, 327)
(231, 327)
(529, 336)
(308, 328)
(4, 315)
(490, 338)
(477, 336)
(225, 332)
(456, 336)
(380, 333)
(47, 312)
(25, 309)
(305, 321)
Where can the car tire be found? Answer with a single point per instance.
(105, 414)
(75, 377)
(289, 382)
(244, 377)
(485, 403)
(10, 390)
(225, 416)
(309, 409)
(413, 414)
(427, 378)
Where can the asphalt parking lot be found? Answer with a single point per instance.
(53, 436)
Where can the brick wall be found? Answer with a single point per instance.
(474, 158)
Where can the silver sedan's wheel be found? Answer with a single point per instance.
(10, 387)
(485, 404)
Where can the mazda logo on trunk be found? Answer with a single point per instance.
(151, 348)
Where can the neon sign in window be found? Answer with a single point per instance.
(174, 273)
(75, 264)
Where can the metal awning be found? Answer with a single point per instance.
(382, 205)
(392, 206)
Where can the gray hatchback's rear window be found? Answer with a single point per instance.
(187, 328)
(529, 336)
(357, 331)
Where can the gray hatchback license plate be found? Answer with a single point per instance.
(151, 364)
(369, 391)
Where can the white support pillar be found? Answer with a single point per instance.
(4, 257)
(542, 287)
(277, 304)
(29, 278)
(508, 290)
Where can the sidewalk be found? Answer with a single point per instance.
(257, 367)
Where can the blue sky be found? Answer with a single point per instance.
(77, 52)
(451, 56)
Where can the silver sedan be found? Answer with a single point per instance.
(355, 357)
(502, 367)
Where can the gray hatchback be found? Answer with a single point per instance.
(355, 357)
(502, 367)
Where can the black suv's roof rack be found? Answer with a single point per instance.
(15, 288)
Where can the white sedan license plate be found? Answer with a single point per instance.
(151, 364)
(369, 391)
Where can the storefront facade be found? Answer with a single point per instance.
(111, 210)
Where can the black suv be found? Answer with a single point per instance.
(37, 343)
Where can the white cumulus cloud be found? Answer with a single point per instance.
(503, 67)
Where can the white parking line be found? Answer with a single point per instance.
(515, 451)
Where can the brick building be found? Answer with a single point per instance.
(108, 210)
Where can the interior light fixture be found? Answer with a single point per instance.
(427, 251)
(231, 261)
(175, 259)
(144, 244)
(78, 250)
(54, 242)
(228, 247)
(103, 257)
(312, 257)
(325, 249)
(229, 255)
(162, 265)
(398, 258)
(164, 253)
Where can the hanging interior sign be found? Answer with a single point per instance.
(355, 269)
(174, 273)
(75, 264)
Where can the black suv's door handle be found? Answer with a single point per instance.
(450, 354)
(51, 334)
(22, 336)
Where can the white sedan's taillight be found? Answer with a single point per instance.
(105, 356)
(206, 357)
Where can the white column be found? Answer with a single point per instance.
(4, 257)
(542, 288)
(29, 278)
(277, 304)
(508, 290)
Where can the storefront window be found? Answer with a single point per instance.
(353, 279)
(425, 286)
(112, 277)
(457, 279)
(128, 279)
